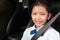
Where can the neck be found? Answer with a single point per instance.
(39, 27)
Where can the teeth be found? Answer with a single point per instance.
(39, 21)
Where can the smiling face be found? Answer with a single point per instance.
(39, 15)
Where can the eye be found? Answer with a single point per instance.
(34, 13)
(42, 14)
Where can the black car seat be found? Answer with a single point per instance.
(17, 23)
(55, 8)
(11, 28)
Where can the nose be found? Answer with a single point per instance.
(38, 17)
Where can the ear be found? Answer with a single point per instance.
(50, 16)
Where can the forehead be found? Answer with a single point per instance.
(39, 9)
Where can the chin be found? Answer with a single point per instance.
(38, 25)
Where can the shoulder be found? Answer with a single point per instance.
(51, 30)
(53, 34)
(29, 29)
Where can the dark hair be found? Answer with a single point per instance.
(41, 3)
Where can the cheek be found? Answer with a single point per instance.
(45, 18)
(32, 17)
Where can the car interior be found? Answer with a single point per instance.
(21, 19)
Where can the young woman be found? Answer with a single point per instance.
(40, 15)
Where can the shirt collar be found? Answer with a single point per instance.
(39, 27)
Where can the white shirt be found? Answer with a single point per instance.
(50, 34)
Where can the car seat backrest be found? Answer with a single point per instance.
(55, 8)
(30, 24)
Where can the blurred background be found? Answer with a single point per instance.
(15, 15)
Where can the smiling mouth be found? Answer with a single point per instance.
(39, 22)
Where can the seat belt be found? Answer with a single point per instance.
(46, 26)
